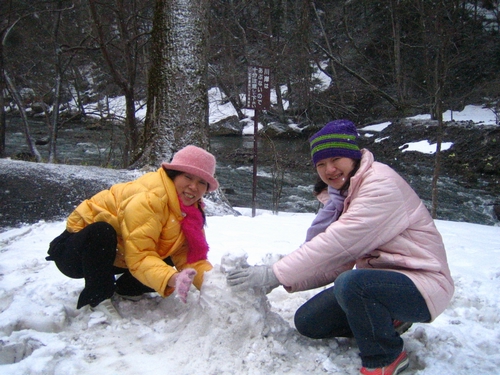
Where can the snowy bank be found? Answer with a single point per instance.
(221, 332)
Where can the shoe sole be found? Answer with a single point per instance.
(130, 298)
(108, 309)
(402, 366)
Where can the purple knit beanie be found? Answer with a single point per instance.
(336, 139)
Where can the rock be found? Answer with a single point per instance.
(276, 129)
(496, 210)
(27, 95)
(38, 191)
(95, 126)
(39, 108)
(42, 141)
(26, 156)
(228, 126)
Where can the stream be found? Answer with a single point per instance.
(285, 176)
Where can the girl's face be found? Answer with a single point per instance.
(335, 171)
(190, 188)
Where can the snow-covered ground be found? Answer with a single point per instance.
(222, 332)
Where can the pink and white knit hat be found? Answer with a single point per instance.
(195, 161)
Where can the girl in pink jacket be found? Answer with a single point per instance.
(376, 241)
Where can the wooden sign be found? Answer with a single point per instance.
(258, 88)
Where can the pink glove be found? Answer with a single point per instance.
(183, 283)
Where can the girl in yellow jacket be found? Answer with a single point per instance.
(149, 230)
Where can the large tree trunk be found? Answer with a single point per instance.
(177, 113)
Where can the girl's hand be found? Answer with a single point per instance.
(253, 277)
(182, 282)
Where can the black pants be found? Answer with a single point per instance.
(90, 254)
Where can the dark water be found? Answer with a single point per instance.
(285, 176)
(456, 202)
(75, 145)
(285, 183)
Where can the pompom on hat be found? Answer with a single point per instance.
(195, 161)
(336, 139)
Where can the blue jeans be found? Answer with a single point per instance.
(363, 304)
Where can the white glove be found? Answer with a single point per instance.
(253, 277)
(183, 283)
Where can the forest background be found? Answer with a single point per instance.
(386, 59)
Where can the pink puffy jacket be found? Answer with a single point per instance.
(384, 226)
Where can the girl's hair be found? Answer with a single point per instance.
(321, 185)
(172, 175)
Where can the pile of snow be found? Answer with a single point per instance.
(479, 114)
(424, 146)
(223, 332)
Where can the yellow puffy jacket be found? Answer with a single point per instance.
(146, 216)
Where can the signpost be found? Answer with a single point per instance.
(258, 98)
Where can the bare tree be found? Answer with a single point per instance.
(394, 9)
(177, 113)
(333, 75)
(40, 35)
(60, 67)
(439, 28)
(8, 19)
(8, 84)
(3, 87)
(17, 99)
(120, 35)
